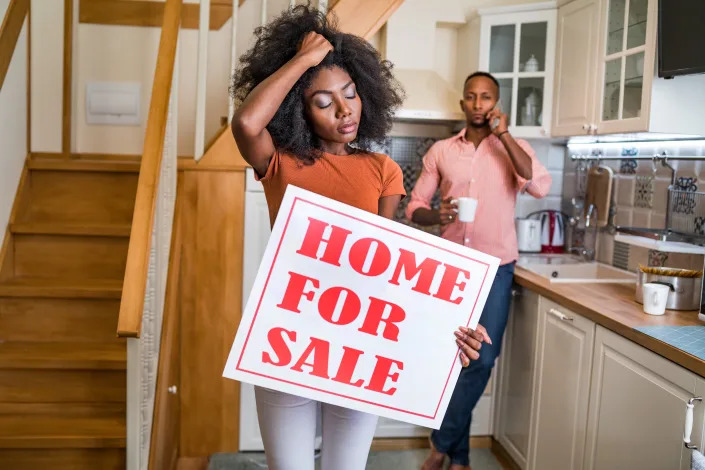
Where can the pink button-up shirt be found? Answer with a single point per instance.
(486, 174)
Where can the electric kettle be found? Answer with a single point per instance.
(528, 235)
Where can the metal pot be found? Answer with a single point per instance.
(684, 294)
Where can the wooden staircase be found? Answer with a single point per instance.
(62, 367)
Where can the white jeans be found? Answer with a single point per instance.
(288, 427)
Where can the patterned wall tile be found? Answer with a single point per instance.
(403, 149)
(423, 144)
(686, 184)
(657, 258)
(627, 167)
(408, 152)
(699, 223)
(644, 191)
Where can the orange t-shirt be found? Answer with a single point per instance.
(358, 180)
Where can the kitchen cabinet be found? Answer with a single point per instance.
(637, 408)
(627, 51)
(518, 48)
(606, 79)
(564, 360)
(516, 376)
(576, 66)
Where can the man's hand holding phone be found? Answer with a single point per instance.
(498, 120)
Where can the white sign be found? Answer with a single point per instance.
(356, 310)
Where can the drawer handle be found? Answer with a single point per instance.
(560, 315)
(689, 422)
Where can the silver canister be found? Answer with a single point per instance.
(684, 293)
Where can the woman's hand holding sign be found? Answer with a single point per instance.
(470, 341)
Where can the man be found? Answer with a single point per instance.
(486, 163)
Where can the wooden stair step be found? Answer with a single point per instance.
(62, 385)
(76, 197)
(59, 318)
(61, 425)
(62, 459)
(61, 355)
(61, 288)
(59, 164)
(58, 228)
(69, 256)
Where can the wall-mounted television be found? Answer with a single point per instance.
(681, 37)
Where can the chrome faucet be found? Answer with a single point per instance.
(587, 251)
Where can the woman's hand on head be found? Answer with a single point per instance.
(314, 48)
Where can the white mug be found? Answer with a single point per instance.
(655, 298)
(466, 208)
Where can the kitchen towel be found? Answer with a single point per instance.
(697, 461)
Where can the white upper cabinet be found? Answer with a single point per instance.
(576, 66)
(606, 79)
(518, 48)
(626, 65)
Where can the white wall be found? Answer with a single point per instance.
(47, 59)
(445, 51)
(124, 53)
(411, 39)
(13, 128)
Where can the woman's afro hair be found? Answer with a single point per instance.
(277, 43)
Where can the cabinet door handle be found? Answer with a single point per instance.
(593, 129)
(689, 422)
(560, 315)
(586, 127)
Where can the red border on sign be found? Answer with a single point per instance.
(269, 275)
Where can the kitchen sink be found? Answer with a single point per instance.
(579, 272)
(546, 258)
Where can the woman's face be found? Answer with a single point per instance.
(333, 106)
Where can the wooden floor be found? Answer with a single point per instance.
(62, 367)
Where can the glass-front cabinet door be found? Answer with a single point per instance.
(519, 49)
(626, 68)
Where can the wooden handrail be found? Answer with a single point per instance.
(135, 284)
(10, 32)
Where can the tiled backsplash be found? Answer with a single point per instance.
(408, 152)
(639, 196)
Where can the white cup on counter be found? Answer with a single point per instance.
(466, 208)
(655, 298)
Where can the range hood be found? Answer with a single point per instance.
(429, 97)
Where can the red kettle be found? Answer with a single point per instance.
(552, 231)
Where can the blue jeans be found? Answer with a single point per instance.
(454, 435)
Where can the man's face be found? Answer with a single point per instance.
(479, 97)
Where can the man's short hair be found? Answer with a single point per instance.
(481, 74)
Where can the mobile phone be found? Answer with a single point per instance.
(495, 121)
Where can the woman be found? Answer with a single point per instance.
(311, 102)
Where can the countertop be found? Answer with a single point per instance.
(613, 307)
